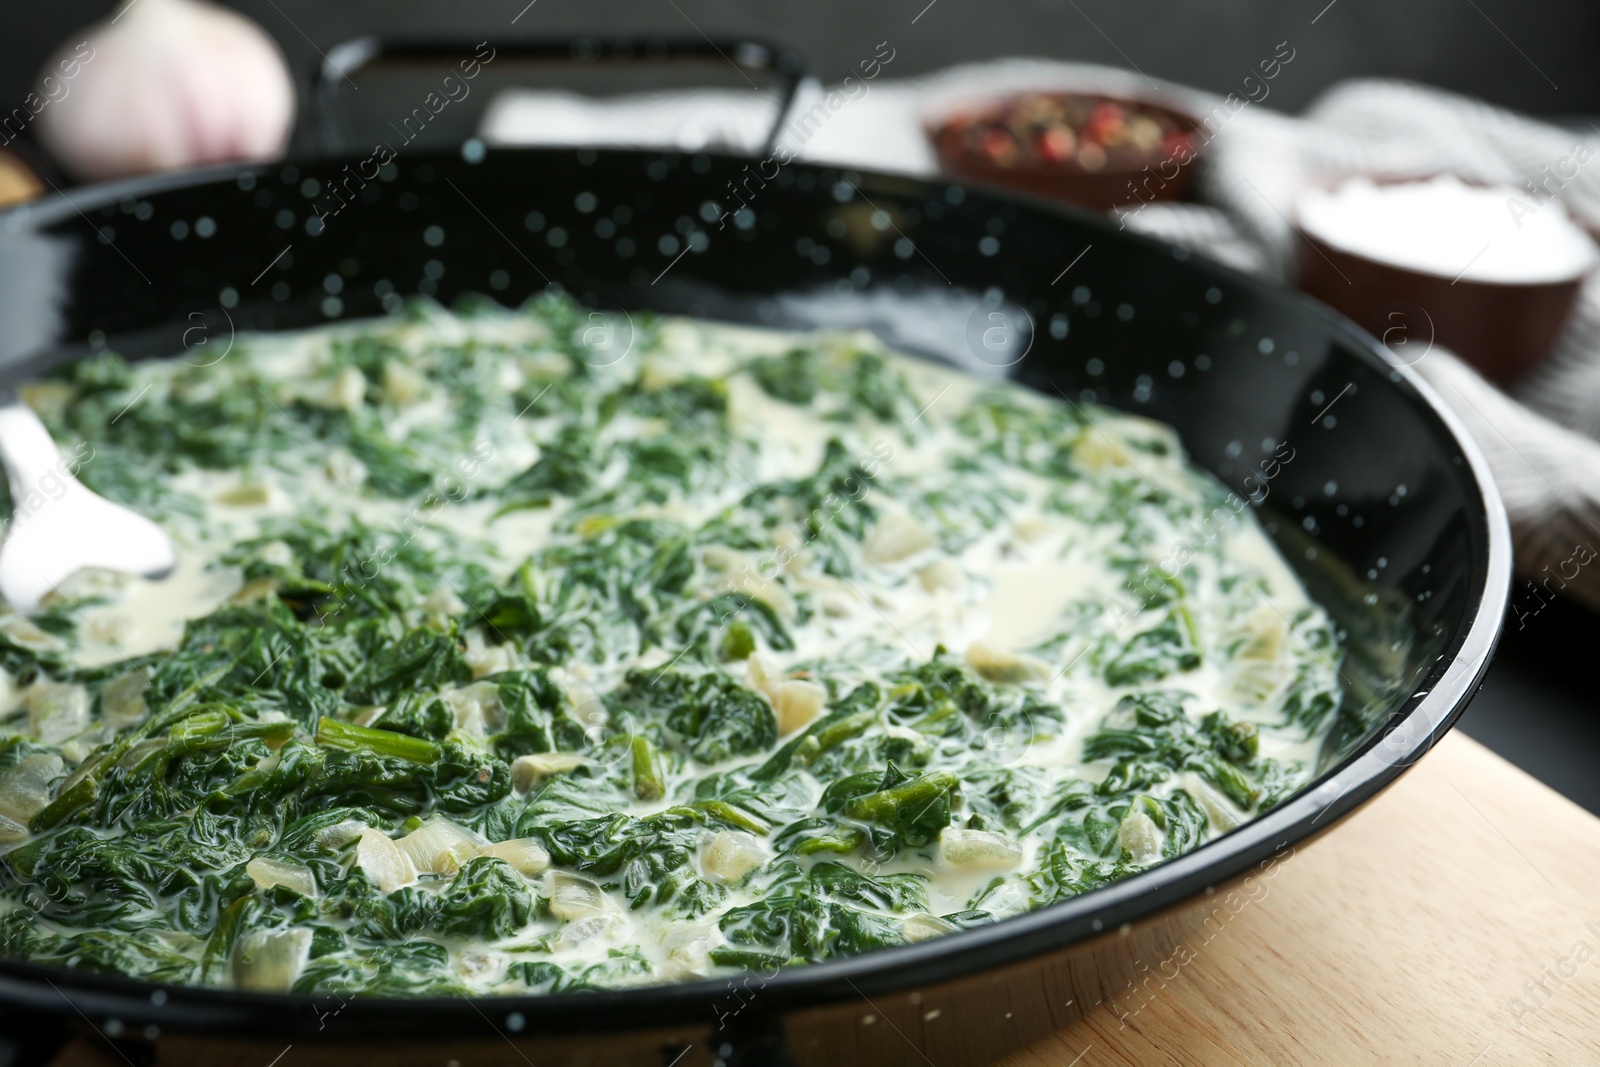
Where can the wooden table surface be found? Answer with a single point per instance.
(1453, 920)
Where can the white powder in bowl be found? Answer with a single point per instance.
(1445, 227)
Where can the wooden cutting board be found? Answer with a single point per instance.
(1453, 920)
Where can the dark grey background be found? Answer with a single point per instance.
(1534, 55)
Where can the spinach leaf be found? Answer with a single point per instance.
(486, 900)
(1166, 648)
(715, 717)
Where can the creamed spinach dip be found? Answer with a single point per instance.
(495, 663)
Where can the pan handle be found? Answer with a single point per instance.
(345, 59)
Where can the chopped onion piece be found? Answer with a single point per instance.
(269, 763)
(1256, 681)
(77, 748)
(11, 831)
(798, 704)
(368, 715)
(401, 384)
(837, 599)
(924, 927)
(545, 366)
(338, 834)
(721, 558)
(586, 705)
(480, 965)
(383, 861)
(269, 961)
(1218, 808)
(268, 871)
(1110, 438)
(25, 789)
(1259, 667)
(766, 590)
(572, 897)
(343, 467)
(1008, 668)
(443, 601)
(486, 659)
(585, 931)
(525, 854)
(894, 537)
(122, 699)
(529, 771)
(978, 848)
(346, 391)
(942, 575)
(246, 495)
(253, 592)
(1139, 834)
(57, 711)
(688, 948)
(732, 854)
(22, 631)
(762, 675)
(439, 846)
(477, 708)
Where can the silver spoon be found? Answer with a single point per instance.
(58, 527)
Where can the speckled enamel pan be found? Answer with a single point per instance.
(1386, 510)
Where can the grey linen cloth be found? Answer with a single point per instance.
(1541, 439)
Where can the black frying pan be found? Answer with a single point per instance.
(1386, 511)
